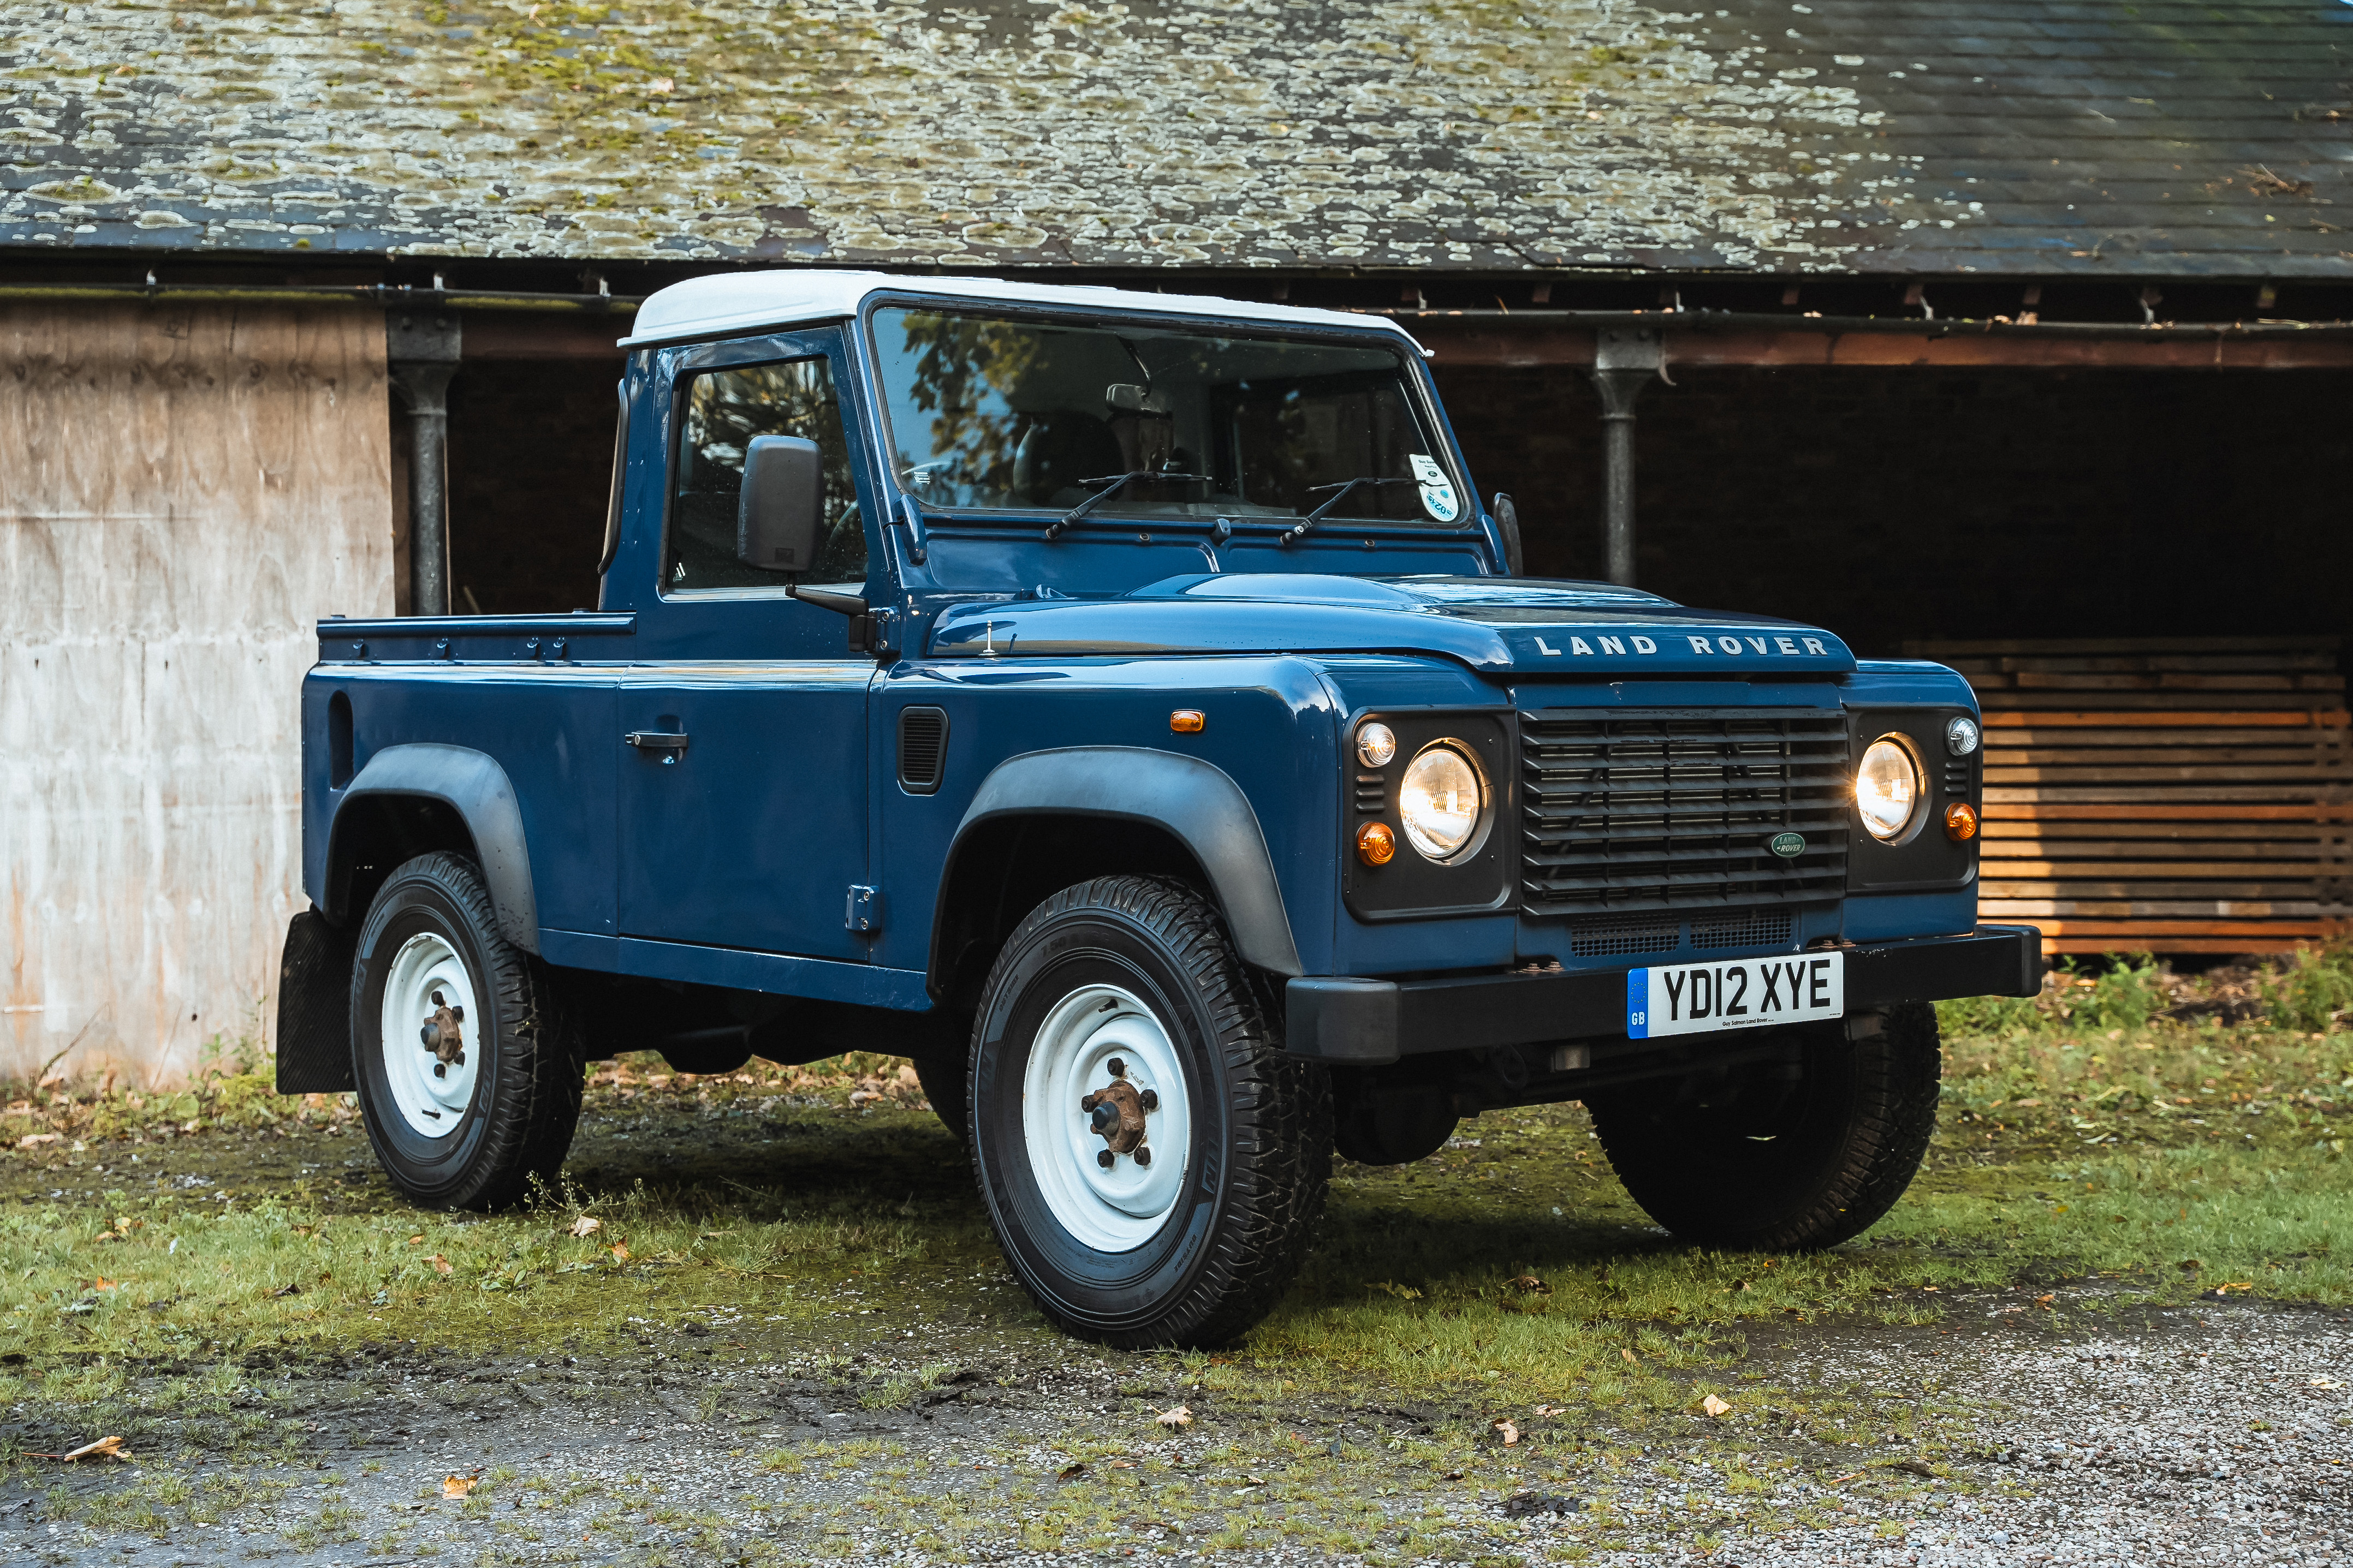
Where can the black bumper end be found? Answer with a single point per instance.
(1370, 1022)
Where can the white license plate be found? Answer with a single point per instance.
(1746, 993)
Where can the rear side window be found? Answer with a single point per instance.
(723, 410)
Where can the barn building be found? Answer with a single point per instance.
(2017, 331)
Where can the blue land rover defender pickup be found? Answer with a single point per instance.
(1121, 704)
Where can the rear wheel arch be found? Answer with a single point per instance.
(410, 800)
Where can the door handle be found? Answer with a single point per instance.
(666, 740)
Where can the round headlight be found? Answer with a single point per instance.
(1376, 745)
(1441, 802)
(1887, 789)
(1960, 735)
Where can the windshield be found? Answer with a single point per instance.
(994, 414)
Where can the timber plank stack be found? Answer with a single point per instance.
(2185, 794)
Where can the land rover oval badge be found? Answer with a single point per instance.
(1788, 846)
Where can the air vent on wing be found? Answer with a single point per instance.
(923, 749)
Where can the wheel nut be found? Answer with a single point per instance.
(1105, 1158)
(1143, 1155)
(1149, 1099)
(1118, 1068)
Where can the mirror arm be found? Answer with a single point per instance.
(840, 604)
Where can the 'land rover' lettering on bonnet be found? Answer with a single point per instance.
(1734, 646)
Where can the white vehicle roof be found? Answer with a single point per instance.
(736, 302)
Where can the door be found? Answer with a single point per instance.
(743, 792)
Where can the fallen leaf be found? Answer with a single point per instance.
(2234, 1285)
(1528, 1284)
(2191, 1266)
(1715, 1406)
(1914, 1468)
(440, 1264)
(661, 84)
(1071, 1472)
(414, 1239)
(620, 1252)
(1626, 1354)
(1511, 1432)
(2324, 1382)
(34, 1139)
(2044, 1303)
(1402, 1292)
(107, 1447)
(101, 1283)
(586, 1226)
(1177, 1418)
(288, 1291)
(459, 1486)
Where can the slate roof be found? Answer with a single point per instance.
(2158, 138)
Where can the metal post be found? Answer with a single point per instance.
(422, 349)
(1625, 359)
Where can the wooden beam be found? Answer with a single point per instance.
(534, 335)
(1500, 343)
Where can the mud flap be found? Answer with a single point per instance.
(314, 1007)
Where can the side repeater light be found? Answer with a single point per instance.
(1960, 822)
(1187, 722)
(1375, 844)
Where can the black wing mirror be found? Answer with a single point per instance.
(1507, 523)
(782, 501)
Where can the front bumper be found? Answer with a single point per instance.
(1370, 1022)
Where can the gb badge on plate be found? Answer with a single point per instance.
(1746, 993)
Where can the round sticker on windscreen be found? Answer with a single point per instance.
(1437, 491)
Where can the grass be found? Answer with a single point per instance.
(2094, 1152)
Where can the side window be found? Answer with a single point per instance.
(723, 410)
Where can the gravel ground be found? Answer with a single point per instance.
(2219, 1433)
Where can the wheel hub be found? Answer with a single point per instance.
(1104, 1085)
(428, 998)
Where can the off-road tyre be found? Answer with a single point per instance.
(1259, 1155)
(1816, 1169)
(524, 1104)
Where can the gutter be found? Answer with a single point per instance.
(374, 296)
(1763, 320)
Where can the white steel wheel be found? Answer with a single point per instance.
(429, 1034)
(1093, 1039)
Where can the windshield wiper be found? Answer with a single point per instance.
(1112, 484)
(1341, 492)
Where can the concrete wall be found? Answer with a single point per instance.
(182, 491)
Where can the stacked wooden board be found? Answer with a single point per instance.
(2164, 794)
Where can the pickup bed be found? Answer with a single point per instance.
(1121, 705)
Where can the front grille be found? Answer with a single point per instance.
(1627, 812)
(1764, 928)
(1613, 939)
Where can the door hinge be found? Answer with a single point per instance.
(865, 913)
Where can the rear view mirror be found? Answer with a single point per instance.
(782, 501)
(1507, 523)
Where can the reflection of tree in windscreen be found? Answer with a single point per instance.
(791, 399)
(958, 359)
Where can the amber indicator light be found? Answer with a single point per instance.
(1187, 722)
(1960, 822)
(1376, 845)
